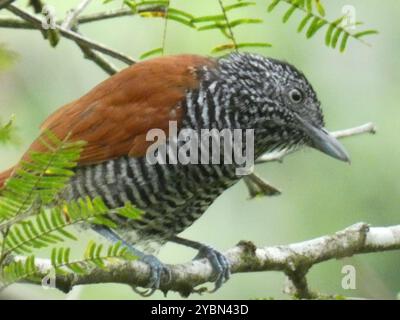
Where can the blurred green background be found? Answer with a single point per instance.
(320, 195)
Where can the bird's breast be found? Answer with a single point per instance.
(172, 196)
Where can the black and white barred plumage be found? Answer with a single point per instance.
(244, 91)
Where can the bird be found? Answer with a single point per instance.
(245, 91)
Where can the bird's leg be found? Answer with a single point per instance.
(219, 262)
(157, 268)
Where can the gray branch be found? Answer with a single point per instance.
(37, 23)
(120, 13)
(6, 22)
(73, 14)
(70, 22)
(294, 260)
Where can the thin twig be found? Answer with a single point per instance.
(6, 22)
(97, 58)
(73, 14)
(119, 13)
(164, 36)
(232, 36)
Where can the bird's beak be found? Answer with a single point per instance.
(323, 141)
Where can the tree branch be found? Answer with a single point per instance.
(37, 23)
(97, 58)
(294, 260)
(83, 19)
(120, 13)
(31, 22)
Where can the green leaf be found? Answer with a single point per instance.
(289, 13)
(53, 257)
(273, 5)
(60, 256)
(316, 25)
(41, 178)
(320, 7)
(336, 36)
(103, 221)
(231, 46)
(344, 41)
(75, 267)
(131, 4)
(90, 250)
(182, 13)
(130, 212)
(239, 5)
(219, 17)
(309, 6)
(151, 53)
(181, 20)
(361, 34)
(304, 22)
(331, 28)
(238, 22)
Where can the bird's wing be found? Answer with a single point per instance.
(115, 116)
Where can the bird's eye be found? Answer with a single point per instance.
(296, 95)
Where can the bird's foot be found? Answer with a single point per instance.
(219, 263)
(157, 270)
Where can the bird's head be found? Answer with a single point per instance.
(277, 101)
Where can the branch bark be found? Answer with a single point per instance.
(294, 260)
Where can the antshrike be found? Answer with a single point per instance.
(239, 91)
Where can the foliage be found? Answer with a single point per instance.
(94, 256)
(337, 32)
(314, 20)
(40, 179)
(33, 217)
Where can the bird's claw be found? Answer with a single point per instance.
(157, 269)
(219, 263)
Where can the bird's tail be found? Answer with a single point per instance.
(4, 176)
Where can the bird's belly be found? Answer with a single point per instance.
(171, 196)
